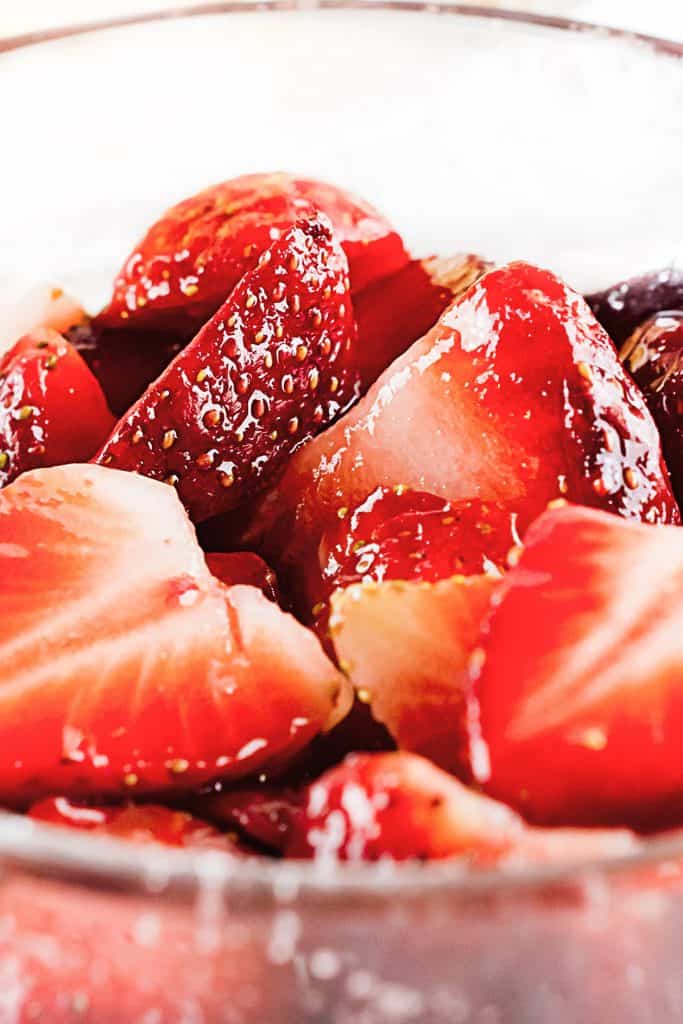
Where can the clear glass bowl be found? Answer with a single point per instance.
(508, 135)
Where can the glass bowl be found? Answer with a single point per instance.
(511, 135)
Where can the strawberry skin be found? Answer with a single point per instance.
(626, 305)
(576, 705)
(52, 409)
(264, 815)
(273, 366)
(244, 567)
(126, 666)
(193, 257)
(398, 806)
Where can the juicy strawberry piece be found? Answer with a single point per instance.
(273, 365)
(577, 689)
(406, 648)
(42, 306)
(654, 357)
(265, 815)
(399, 806)
(244, 567)
(52, 410)
(395, 311)
(626, 305)
(516, 395)
(125, 664)
(194, 256)
(141, 823)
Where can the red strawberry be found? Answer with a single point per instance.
(125, 664)
(141, 823)
(194, 256)
(516, 395)
(406, 648)
(395, 311)
(626, 305)
(577, 686)
(244, 567)
(51, 407)
(400, 807)
(274, 364)
(654, 356)
(265, 815)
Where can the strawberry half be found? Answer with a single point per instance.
(576, 705)
(273, 366)
(52, 409)
(244, 567)
(126, 666)
(400, 807)
(516, 395)
(194, 256)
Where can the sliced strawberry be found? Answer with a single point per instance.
(577, 686)
(264, 815)
(193, 257)
(141, 823)
(626, 305)
(516, 395)
(125, 664)
(272, 367)
(52, 409)
(400, 807)
(406, 648)
(654, 356)
(42, 306)
(395, 311)
(244, 567)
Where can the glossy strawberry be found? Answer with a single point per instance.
(516, 395)
(406, 647)
(52, 409)
(126, 666)
(400, 807)
(576, 707)
(244, 567)
(140, 823)
(264, 814)
(626, 305)
(395, 311)
(191, 259)
(654, 357)
(272, 367)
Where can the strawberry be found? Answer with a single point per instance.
(654, 356)
(193, 257)
(406, 647)
(400, 807)
(141, 823)
(626, 305)
(395, 311)
(42, 306)
(264, 815)
(516, 395)
(272, 367)
(576, 706)
(244, 567)
(51, 407)
(126, 666)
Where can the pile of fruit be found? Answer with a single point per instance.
(313, 549)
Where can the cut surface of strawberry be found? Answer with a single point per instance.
(140, 823)
(269, 370)
(654, 357)
(193, 257)
(52, 409)
(576, 707)
(401, 807)
(516, 395)
(406, 647)
(126, 666)
(244, 567)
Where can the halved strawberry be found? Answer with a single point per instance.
(126, 666)
(395, 311)
(141, 823)
(193, 257)
(406, 647)
(52, 409)
(273, 366)
(516, 395)
(400, 807)
(577, 705)
(654, 356)
(264, 814)
(244, 567)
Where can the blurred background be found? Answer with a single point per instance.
(657, 17)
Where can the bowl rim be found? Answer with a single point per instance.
(81, 857)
